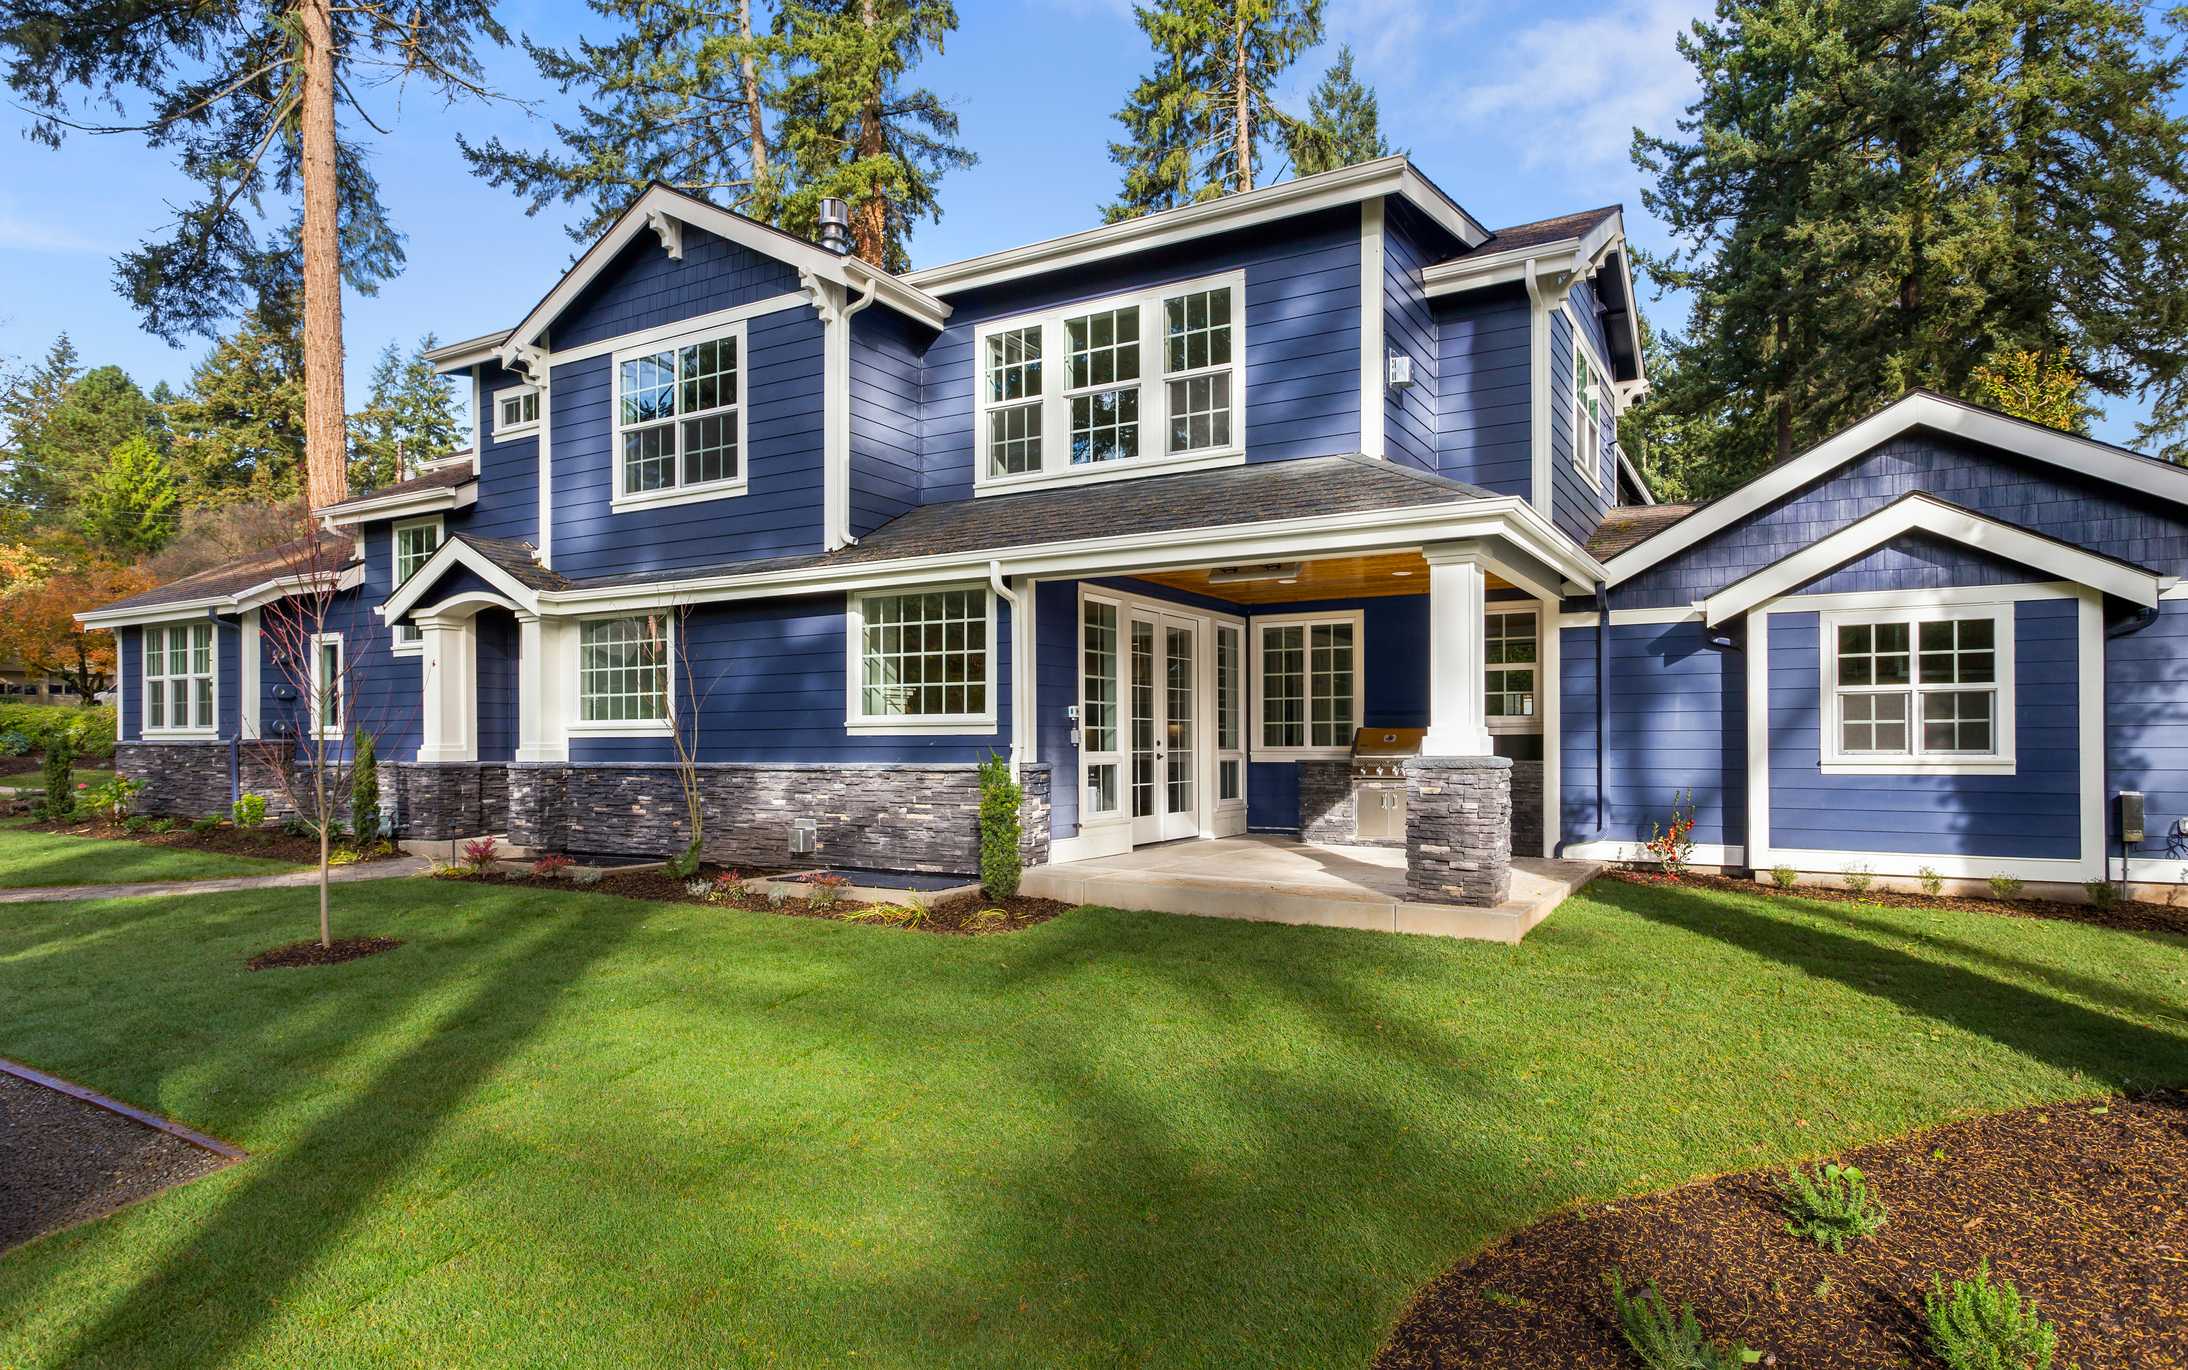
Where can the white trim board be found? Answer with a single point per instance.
(1918, 409)
(408, 504)
(452, 553)
(1374, 351)
(1925, 514)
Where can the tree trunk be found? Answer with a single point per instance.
(753, 103)
(1785, 392)
(870, 221)
(319, 801)
(325, 446)
(1242, 103)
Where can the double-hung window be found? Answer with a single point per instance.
(1106, 386)
(1307, 684)
(623, 672)
(1919, 690)
(923, 661)
(679, 420)
(516, 411)
(415, 544)
(327, 693)
(1509, 651)
(178, 678)
(1587, 413)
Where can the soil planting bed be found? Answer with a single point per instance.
(269, 842)
(2129, 915)
(2084, 1206)
(312, 954)
(961, 915)
(64, 1161)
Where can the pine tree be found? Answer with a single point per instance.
(239, 433)
(850, 127)
(409, 418)
(26, 405)
(1195, 125)
(131, 508)
(1880, 194)
(678, 96)
(1344, 123)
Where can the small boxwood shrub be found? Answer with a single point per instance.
(1784, 877)
(1986, 1325)
(1932, 882)
(1000, 864)
(1663, 1341)
(14, 742)
(1831, 1206)
(1858, 879)
(2102, 893)
(209, 823)
(2005, 888)
(249, 811)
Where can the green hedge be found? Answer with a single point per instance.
(91, 730)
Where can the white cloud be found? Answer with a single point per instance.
(1570, 91)
(25, 233)
(1391, 37)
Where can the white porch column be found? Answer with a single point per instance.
(542, 712)
(450, 676)
(1457, 611)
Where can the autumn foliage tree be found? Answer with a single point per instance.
(38, 623)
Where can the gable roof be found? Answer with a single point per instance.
(1589, 243)
(234, 585)
(1576, 225)
(441, 488)
(509, 566)
(1625, 525)
(1923, 513)
(1916, 409)
(1347, 185)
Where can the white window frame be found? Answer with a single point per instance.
(1239, 753)
(145, 677)
(580, 726)
(678, 493)
(504, 431)
(2000, 761)
(318, 687)
(1256, 749)
(1592, 471)
(1523, 724)
(413, 644)
(858, 723)
(1154, 421)
(1119, 754)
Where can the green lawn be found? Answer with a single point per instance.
(38, 858)
(570, 1129)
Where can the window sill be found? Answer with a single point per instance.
(526, 430)
(891, 727)
(690, 494)
(181, 734)
(407, 649)
(1911, 765)
(1097, 473)
(634, 728)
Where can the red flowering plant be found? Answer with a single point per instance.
(551, 866)
(478, 853)
(1673, 847)
(828, 888)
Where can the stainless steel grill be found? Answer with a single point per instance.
(1378, 781)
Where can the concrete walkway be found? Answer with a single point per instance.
(393, 869)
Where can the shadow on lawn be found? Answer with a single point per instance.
(236, 1268)
(2122, 1052)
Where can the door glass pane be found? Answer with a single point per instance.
(1179, 696)
(1143, 719)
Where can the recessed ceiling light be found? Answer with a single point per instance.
(1401, 573)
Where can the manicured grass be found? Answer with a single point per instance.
(572, 1129)
(36, 779)
(39, 858)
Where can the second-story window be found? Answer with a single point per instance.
(1587, 414)
(680, 421)
(1098, 387)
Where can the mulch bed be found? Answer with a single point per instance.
(270, 842)
(65, 1161)
(2084, 1206)
(960, 915)
(2128, 915)
(310, 953)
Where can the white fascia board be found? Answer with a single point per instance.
(1921, 513)
(1287, 199)
(450, 554)
(1322, 535)
(1919, 409)
(1625, 463)
(435, 501)
(461, 356)
(157, 613)
(1497, 268)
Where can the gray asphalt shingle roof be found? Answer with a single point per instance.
(336, 551)
(1629, 525)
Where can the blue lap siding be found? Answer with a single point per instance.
(1483, 423)
(645, 287)
(885, 428)
(2146, 730)
(1676, 712)
(1411, 244)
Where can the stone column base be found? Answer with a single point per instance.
(1459, 829)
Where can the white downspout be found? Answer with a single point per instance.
(1020, 673)
(838, 492)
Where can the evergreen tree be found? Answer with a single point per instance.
(101, 410)
(1872, 195)
(1666, 444)
(678, 96)
(410, 417)
(239, 433)
(851, 127)
(131, 508)
(1344, 123)
(1194, 126)
(26, 405)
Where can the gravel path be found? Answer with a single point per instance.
(63, 1161)
(341, 875)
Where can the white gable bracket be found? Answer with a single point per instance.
(669, 230)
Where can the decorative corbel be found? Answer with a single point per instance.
(670, 231)
(526, 360)
(826, 295)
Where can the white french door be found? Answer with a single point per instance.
(1162, 670)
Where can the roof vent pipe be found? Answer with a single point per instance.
(835, 226)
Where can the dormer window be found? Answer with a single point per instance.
(679, 420)
(1149, 381)
(516, 411)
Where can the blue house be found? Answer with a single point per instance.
(1298, 513)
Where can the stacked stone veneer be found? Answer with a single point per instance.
(1527, 807)
(877, 817)
(1459, 829)
(191, 779)
(446, 801)
(1329, 806)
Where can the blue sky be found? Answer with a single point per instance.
(1519, 112)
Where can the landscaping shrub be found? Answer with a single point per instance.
(1000, 864)
(60, 767)
(1831, 1206)
(1673, 847)
(551, 866)
(827, 889)
(1858, 879)
(1665, 1342)
(1784, 877)
(160, 825)
(2005, 887)
(588, 876)
(209, 823)
(1932, 882)
(1981, 1325)
(478, 853)
(88, 733)
(2102, 893)
(113, 799)
(685, 863)
(249, 811)
(364, 790)
(14, 743)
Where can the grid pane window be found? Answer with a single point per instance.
(679, 416)
(1013, 386)
(178, 677)
(1105, 426)
(1307, 672)
(1227, 689)
(1510, 649)
(1587, 415)
(1100, 686)
(1924, 688)
(1143, 720)
(924, 655)
(623, 670)
(518, 409)
(414, 546)
(1197, 330)
(1101, 374)
(1014, 440)
(1200, 412)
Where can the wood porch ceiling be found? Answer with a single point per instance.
(1397, 573)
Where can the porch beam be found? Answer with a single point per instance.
(1457, 619)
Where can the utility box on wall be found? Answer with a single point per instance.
(2130, 806)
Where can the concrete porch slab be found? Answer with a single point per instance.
(1280, 880)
